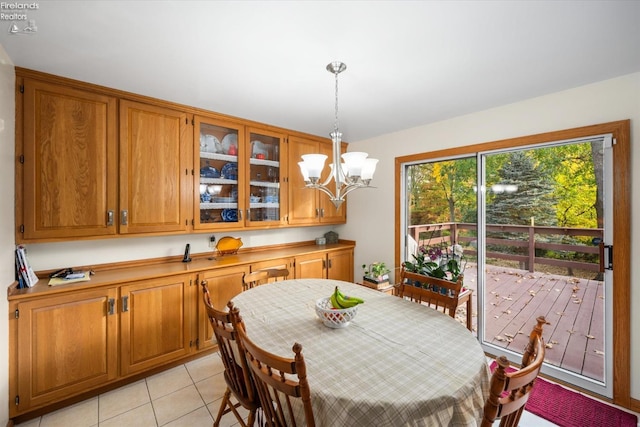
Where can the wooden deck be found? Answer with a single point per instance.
(574, 307)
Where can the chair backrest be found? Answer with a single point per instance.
(438, 293)
(278, 274)
(509, 391)
(251, 280)
(236, 370)
(260, 277)
(281, 382)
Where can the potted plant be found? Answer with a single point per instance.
(376, 273)
(444, 263)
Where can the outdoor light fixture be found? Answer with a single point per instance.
(356, 171)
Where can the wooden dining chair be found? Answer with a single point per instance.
(236, 371)
(278, 274)
(437, 293)
(280, 381)
(257, 278)
(509, 391)
(260, 277)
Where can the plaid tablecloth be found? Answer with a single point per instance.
(396, 364)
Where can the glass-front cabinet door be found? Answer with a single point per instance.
(265, 175)
(218, 170)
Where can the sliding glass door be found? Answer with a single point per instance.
(533, 223)
(543, 213)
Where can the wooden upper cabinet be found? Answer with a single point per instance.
(69, 170)
(309, 206)
(155, 169)
(95, 162)
(265, 179)
(328, 212)
(219, 195)
(303, 206)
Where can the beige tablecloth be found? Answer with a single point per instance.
(396, 364)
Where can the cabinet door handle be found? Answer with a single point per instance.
(317, 212)
(330, 264)
(112, 306)
(322, 213)
(240, 214)
(109, 218)
(124, 217)
(125, 304)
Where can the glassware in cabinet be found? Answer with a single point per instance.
(218, 174)
(265, 176)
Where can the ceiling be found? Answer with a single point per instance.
(409, 63)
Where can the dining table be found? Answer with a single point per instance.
(397, 362)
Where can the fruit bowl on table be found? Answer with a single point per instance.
(334, 317)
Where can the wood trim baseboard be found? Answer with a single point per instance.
(635, 405)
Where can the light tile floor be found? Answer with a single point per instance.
(188, 395)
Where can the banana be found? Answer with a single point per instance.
(340, 300)
(346, 301)
(346, 297)
(334, 301)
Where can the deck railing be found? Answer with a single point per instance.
(533, 240)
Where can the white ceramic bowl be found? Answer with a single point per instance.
(334, 317)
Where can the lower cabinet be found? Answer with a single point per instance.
(155, 326)
(64, 342)
(340, 265)
(67, 344)
(311, 266)
(70, 344)
(336, 265)
(223, 285)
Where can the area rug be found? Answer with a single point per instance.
(568, 408)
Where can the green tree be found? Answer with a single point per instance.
(524, 191)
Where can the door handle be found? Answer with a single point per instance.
(125, 304)
(111, 303)
(608, 251)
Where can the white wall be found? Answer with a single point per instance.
(7, 242)
(44, 256)
(606, 101)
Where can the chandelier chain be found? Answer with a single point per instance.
(335, 125)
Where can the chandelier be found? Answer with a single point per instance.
(356, 171)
